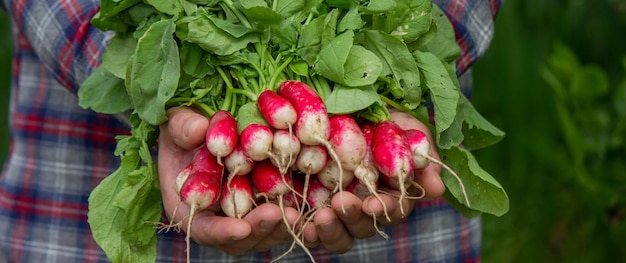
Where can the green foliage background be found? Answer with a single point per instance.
(568, 200)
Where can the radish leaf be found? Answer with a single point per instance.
(154, 72)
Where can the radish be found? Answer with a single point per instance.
(294, 197)
(269, 181)
(237, 199)
(311, 159)
(274, 186)
(420, 147)
(420, 150)
(312, 126)
(347, 140)
(238, 162)
(202, 187)
(359, 189)
(392, 155)
(256, 141)
(276, 110)
(221, 136)
(317, 194)
(367, 173)
(328, 177)
(285, 149)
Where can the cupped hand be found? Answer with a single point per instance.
(336, 230)
(262, 228)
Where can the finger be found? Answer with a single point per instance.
(263, 221)
(310, 235)
(283, 232)
(373, 206)
(186, 127)
(429, 178)
(358, 224)
(208, 229)
(331, 231)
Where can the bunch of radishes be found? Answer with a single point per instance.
(300, 159)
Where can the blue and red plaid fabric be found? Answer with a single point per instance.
(59, 151)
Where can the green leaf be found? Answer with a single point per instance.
(108, 222)
(249, 113)
(485, 193)
(350, 21)
(443, 44)
(453, 136)
(378, 6)
(346, 100)
(154, 72)
(167, 7)
(397, 61)
(120, 49)
(259, 14)
(416, 22)
(104, 93)
(110, 8)
(194, 61)
(479, 132)
(348, 64)
(223, 39)
(443, 93)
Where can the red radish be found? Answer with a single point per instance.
(359, 189)
(182, 176)
(277, 111)
(362, 191)
(294, 198)
(392, 155)
(317, 195)
(420, 150)
(285, 149)
(221, 136)
(202, 188)
(274, 186)
(347, 140)
(256, 141)
(328, 177)
(313, 124)
(238, 162)
(237, 199)
(420, 147)
(311, 159)
(269, 181)
(367, 173)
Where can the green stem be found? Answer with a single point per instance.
(278, 72)
(230, 89)
(406, 110)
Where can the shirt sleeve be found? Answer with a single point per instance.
(473, 25)
(61, 35)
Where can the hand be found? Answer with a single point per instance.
(336, 230)
(261, 229)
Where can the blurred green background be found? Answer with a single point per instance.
(554, 80)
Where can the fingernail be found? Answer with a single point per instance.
(190, 125)
(328, 227)
(346, 211)
(310, 239)
(237, 238)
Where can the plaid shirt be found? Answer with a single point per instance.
(59, 151)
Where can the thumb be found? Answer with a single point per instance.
(186, 128)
